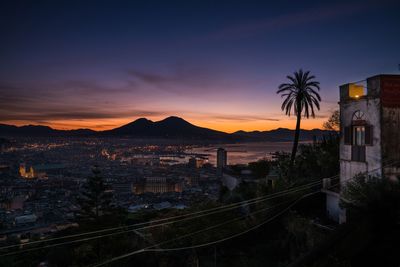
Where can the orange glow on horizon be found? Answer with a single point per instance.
(228, 126)
(231, 127)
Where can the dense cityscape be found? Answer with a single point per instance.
(42, 179)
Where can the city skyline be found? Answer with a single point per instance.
(100, 65)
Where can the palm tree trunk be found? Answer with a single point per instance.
(296, 140)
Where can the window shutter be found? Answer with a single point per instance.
(347, 135)
(369, 135)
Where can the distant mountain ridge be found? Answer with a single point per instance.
(282, 134)
(40, 130)
(171, 127)
(168, 128)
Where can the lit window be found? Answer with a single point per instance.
(359, 135)
(356, 91)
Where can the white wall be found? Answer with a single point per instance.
(373, 160)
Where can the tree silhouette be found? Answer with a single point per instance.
(333, 123)
(301, 96)
(95, 200)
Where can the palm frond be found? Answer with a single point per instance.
(300, 94)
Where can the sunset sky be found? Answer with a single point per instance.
(101, 64)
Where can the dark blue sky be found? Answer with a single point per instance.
(99, 64)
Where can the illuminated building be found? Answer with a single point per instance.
(370, 127)
(39, 171)
(26, 173)
(156, 185)
(178, 187)
(138, 188)
(22, 170)
(196, 162)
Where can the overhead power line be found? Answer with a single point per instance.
(125, 230)
(153, 223)
(213, 211)
(152, 248)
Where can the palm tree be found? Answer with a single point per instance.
(301, 95)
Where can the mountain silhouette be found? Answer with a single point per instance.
(281, 135)
(39, 130)
(171, 127)
(168, 128)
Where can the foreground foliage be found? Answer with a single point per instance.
(372, 233)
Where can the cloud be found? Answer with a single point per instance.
(243, 118)
(316, 14)
(181, 80)
(76, 115)
(42, 92)
(84, 87)
(234, 117)
(153, 78)
(74, 100)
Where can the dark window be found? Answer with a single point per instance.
(347, 136)
(358, 153)
(369, 135)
